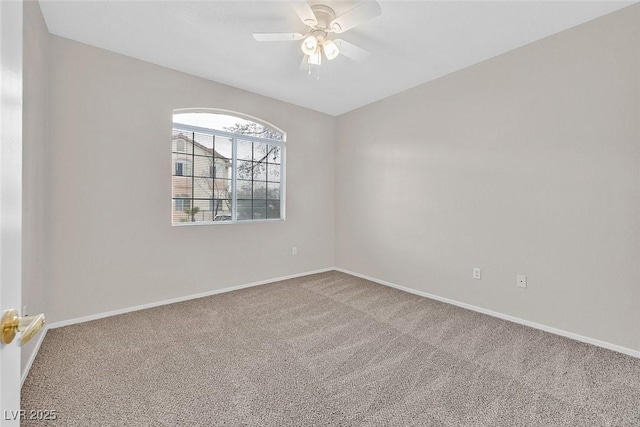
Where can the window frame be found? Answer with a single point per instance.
(234, 160)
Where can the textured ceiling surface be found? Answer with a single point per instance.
(411, 42)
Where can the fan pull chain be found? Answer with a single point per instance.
(317, 71)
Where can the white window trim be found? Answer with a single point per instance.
(234, 137)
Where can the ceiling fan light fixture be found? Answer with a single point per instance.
(310, 45)
(330, 49)
(315, 58)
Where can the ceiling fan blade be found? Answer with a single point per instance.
(277, 37)
(361, 13)
(305, 13)
(352, 51)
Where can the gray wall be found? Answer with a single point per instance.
(113, 245)
(527, 163)
(35, 166)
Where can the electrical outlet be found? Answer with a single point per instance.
(521, 281)
(24, 311)
(294, 251)
(477, 273)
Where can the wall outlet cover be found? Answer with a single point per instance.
(477, 273)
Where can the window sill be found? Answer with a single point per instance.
(249, 221)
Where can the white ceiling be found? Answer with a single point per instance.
(412, 42)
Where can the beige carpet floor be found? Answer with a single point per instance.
(327, 349)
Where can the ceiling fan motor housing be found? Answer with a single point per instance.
(324, 16)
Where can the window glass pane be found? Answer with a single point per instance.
(259, 209)
(199, 211)
(259, 190)
(273, 173)
(273, 209)
(222, 210)
(273, 190)
(244, 189)
(245, 150)
(244, 209)
(223, 147)
(223, 168)
(260, 152)
(182, 141)
(203, 144)
(259, 171)
(228, 123)
(244, 169)
(180, 205)
(202, 188)
(202, 166)
(181, 186)
(246, 127)
(181, 164)
(275, 154)
(222, 189)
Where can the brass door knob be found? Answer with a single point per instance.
(27, 325)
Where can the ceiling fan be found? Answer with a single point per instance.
(322, 21)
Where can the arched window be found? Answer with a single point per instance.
(227, 167)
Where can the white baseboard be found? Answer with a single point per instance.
(179, 299)
(556, 331)
(36, 349)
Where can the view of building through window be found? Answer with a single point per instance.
(225, 168)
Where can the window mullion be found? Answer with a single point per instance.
(282, 183)
(234, 165)
(193, 181)
(212, 172)
(253, 165)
